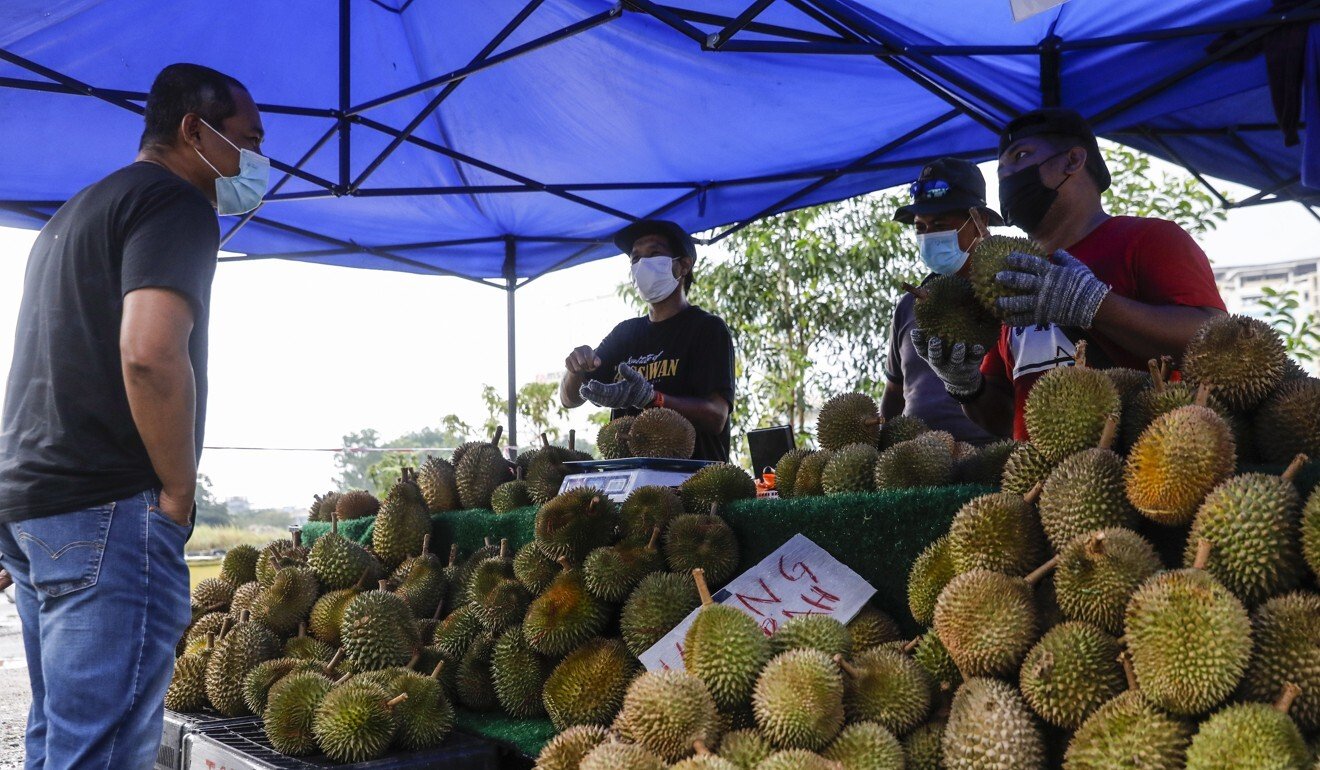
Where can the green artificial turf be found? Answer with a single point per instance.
(525, 736)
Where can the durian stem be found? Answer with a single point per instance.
(504, 548)
(572, 439)
(224, 627)
(591, 506)
(1033, 494)
(703, 590)
(244, 616)
(545, 441)
(334, 661)
(296, 537)
(499, 433)
(1125, 660)
(1290, 693)
(1042, 571)
(417, 656)
(699, 746)
(426, 543)
(302, 630)
(396, 700)
(383, 585)
(715, 509)
(1156, 375)
(362, 581)
(486, 540)
(1294, 467)
(565, 563)
(1110, 433)
(916, 291)
(871, 422)
(438, 606)
(334, 524)
(911, 646)
(1080, 356)
(1203, 394)
(1203, 548)
(1096, 545)
(1166, 368)
(343, 679)
(655, 539)
(210, 639)
(453, 555)
(847, 667)
(435, 673)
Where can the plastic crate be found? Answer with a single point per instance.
(169, 756)
(244, 747)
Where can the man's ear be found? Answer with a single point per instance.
(1076, 160)
(684, 266)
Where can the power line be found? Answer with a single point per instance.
(336, 450)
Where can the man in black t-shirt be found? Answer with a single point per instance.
(676, 356)
(103, 417)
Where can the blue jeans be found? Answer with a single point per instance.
(103, 598)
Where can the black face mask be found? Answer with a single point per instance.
(1024, 197)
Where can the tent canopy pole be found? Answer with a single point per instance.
(510, 289)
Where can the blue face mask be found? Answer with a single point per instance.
(242, 193)
(941, 252)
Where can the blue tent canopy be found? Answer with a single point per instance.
(498, 140)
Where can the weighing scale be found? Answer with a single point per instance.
(616, 479)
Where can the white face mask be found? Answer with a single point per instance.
(654, 277)
(941, 252)
(242, 193)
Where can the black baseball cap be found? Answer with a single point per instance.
(678, 238)
(1064, 122)
(948, 184)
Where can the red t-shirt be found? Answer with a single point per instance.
(1149, 260)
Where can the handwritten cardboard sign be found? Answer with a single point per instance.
(799, 578)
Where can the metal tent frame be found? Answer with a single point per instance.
(847, 33)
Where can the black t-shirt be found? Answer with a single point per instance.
(68, 440)
(690, 354)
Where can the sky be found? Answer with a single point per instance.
(303, 354)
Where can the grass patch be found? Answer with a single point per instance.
(200, 570)
(212, 538)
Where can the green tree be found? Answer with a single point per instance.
(1301, 333)
(376, 470)
(539, 411)
(1135, 190)
(353, 464)
(210, 511)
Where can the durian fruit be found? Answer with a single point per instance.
(947, 307)
(645, 509)
(901, 428)
(851, 469)
(812, 632)
(1288, 422)
(1251, 735)
(377, 630)
(1129, 382)
(612, 440)
(797, 759)
(991, 727)
(565, 616)
(704, 760)
(667, 712)
(1189, 637)
(621, 756)
(510, 496)
(706, 542)
(1311, 532)
(921, 747)
(655, 607)
(257, 683)
(999, 532)
(1068, 407)
(798, 700)
(924, 461)
(458, 630)
(1026, 467)
(239, 565)
(1163, 397)
(457, 574)
(886, 687)
(421, 581)
(304, 647)
(1253, 521)
(726, 649)
(786, 471)
(717, 484)
(356, 504)
(932, 570)
(566, 750)
(1098, 573)
(989, 258)
(534, 569)
(1176, 462)
(574, 524)
(474, 681)
(546, 469)
(931, 654)
(1072, 671)
(518, 674)
(497, 598)
(210, 623)
(339, 562)
(278, 554)
(327, 613)
(401, 523)
(588, 686)
(984, 466)
(187, 690)
(745, 748)
(866, 746)
(1129, 732)
(662, 432)
(291, 710)
(426, 716)
(988, 621)
(850, 418)
(439, 485)
(287, 601)
(1286, 630)
(1243, 357)
(212, 595)
(244, 595)
(809, 479)
(1085, 493)
(870, 628)
(481, 469)
(239, 651)
(355, 722)
(612, 573)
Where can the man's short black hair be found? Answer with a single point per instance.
(183, 88)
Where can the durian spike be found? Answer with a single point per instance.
(545, 441)
(1110, 433)
(1042, 571)
(1080, 356)
(1156, 375)
(334, 661)
(1166, 367)
(499, 433)
(435, 674)
(848, 668)
(565, 563)
(1294, 467)
(453, 555)
(396, 700)
(1203, 548)
(343, 679)
(383, 585)
(1203, 394)
(572, 439)
(916, 291)
(1290, 693)
(1096, 545)
(703, 590)
(1033, 494)
(1125, 659)
(699, 746)
(504, 548)
(655, 539)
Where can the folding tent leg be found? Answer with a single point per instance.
(510, 289)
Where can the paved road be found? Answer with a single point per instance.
(14, 694)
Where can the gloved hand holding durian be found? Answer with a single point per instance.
(959, 368)
(631, 391)
(1059, 290)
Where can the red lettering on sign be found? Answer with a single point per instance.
(821, 598)
(746, 600)
(800, 569)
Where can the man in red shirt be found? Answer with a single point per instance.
(1134, 288)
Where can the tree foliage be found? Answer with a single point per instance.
(1300, 332)
(1136, 190)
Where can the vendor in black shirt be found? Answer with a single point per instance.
(677, 356)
